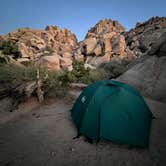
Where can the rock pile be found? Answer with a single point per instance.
(103, 42)
(141, 38)
(56, 49)
(52, 47)
(149, 74)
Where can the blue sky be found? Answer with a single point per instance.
(78, 16)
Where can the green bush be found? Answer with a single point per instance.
(54, 83)
(97, 74)
(115, 68)
(9, 48)
(4, 59)
(79, 70)
(80, 74)
(12, 75)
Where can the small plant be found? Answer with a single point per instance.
(56, 84)
(12, 75)
(115, 68)
(53, 83)
(4, 59)
(79, 72)
(10, 48)
(97, 74)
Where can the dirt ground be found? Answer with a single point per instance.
(44, 137)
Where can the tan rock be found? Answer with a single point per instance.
(109, 35)
(90, 45)
(103, 42)
(97, 61)
(118, 45)
(33, 44)
(79, 57)
(66, 63)
(88, 66)
(25, 52)
(98, 50)
(105, 26)
(50, 62)
(89, 59)
(67, 55)
(108, 45)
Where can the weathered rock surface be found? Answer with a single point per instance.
(50, 62)
(159, 47)
(141, 38)
(149, 74)
(104, 41)
(35, 44)
(149, 77)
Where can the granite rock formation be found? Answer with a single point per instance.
(37, 45)
(149, 73)
(103, 42)
(140, 39)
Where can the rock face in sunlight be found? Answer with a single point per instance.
(38, 45)
(103, 42)
(107, 41)
(149, 73)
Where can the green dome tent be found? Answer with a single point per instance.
(111, 110)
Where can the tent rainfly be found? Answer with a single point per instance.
(111, 110)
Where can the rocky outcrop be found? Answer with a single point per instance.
(149, 73)
(103, 42)
(50, 62)
(141, 38)
(159, 47)
(35, 44)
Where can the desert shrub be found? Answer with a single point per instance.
(4, 59)
(12, 75)
(80, 74)
(79, 69)
(56, 84)
(115, 68)
(9, 48)
(97, 74)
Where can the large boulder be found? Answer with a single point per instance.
(89, 45)
(34, 44)
(142, 37)
(103, 42)
(149, 77)
(159, 47)
(50, 62)
(66, 63)
(119, 45)
(149, 73)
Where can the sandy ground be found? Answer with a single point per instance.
(44, 137)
